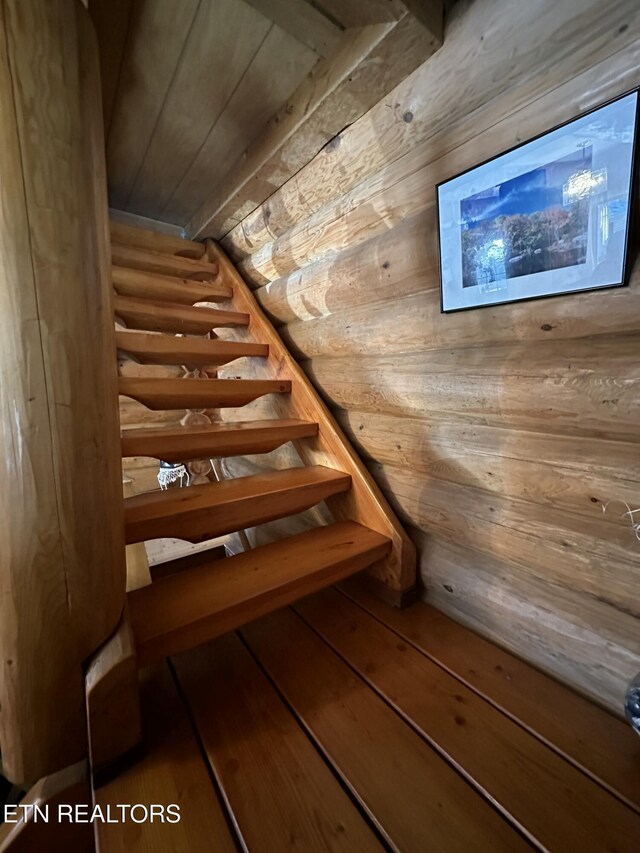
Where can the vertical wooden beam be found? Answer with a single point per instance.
(62, 574)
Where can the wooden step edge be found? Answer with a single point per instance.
(185, 610)
(153, 261)
(155, 241)
(144, 285)
(169, 349)
(215, 440)
(154, 316)
(197, 513)
(165, 394)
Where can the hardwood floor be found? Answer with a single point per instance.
(341, 724)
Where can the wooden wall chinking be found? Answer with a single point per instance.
(500, 434)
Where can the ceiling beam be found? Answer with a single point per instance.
(302, 21)
(369, 63)
(361, 13)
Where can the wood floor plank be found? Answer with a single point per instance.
(603, 745)
(145, 285)
(172, 770)
(280, 791)
(213, 509)
(552, 801)
(183, 611)
(415, 798)
(162, 394)
(167, 349)
(214, 440)
(155, 316)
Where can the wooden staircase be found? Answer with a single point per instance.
(160, 284)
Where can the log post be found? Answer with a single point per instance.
(62, 571)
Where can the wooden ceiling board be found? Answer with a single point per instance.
(304, 22)
(111, 20)
(361, 13)
(158, 30)
(199, 91)
(274, 74)
(222, 44)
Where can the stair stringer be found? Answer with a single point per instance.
(394, 577)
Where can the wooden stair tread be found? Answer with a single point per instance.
(167, 244)
(213, 440)
(145, 285)
(202, 512)
(173, 317)
(165, 264)
(168, 349)
(198, 393)
(185, 610)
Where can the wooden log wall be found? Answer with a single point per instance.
(62, 573)
(498, 434)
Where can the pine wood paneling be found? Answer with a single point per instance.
(157, 36)
(212, 64)
(499, 434)
(368, 62)
(188, 84)
(406, 185)
(211, 105)
(111, 20)
(302, 20)
(276, 66)
(358, 13)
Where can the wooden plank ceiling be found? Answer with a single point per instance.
(188, 83)
(189, 86)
